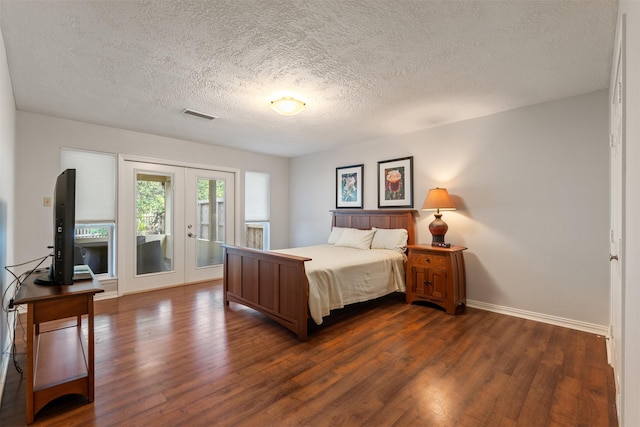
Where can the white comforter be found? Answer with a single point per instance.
(341, 275)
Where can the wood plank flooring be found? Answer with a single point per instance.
(176, 357)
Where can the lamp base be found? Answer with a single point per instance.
(437, 240)
(438, 229)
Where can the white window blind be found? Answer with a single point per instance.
(256, 196)
(95, 184)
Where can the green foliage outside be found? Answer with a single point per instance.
(150, 201)
(203, 189)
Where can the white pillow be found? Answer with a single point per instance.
(336, 232)
(354, 238)
(387, 238)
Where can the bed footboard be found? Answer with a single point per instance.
(271, 283)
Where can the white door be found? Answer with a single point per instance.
(616, 231)
(165, 213)
(209, 216)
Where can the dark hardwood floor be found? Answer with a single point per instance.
(176, 357)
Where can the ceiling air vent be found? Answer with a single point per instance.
(198, 114)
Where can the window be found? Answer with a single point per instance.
(256, 210)
(94, 243)
(95, 208)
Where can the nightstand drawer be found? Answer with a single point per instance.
(436, 274)
(429, 260)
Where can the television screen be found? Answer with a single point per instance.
(64, 219)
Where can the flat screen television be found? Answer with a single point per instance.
(64, 221)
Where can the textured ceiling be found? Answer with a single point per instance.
(366, 69)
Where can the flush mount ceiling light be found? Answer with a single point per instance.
(288, 106)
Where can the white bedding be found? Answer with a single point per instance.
(340, 275)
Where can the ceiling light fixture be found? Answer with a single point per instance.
(288, 106)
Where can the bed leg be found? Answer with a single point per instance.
(303, 329)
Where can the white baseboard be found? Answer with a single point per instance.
(105, 295)
(540, 317)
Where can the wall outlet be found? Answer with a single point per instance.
(46, 202)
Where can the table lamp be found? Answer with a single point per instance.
(438, 199)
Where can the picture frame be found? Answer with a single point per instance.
(395, 183)
(349, 186)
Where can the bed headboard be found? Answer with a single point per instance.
(365, 220)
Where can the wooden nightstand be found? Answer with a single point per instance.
(436, 275)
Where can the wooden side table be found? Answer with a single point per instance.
(59, 361)
(436, 275)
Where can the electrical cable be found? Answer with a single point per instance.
(9, 307)
(14, 351)
(17, 281)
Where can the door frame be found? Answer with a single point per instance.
(121, 214)
(617, 306)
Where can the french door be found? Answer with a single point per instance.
(616, 233)
(209, 212)
(174, 221)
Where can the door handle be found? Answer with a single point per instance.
(191, 235)
(613, 257)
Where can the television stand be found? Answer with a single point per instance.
(60, 360)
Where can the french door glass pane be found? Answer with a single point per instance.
(154, 211)
(210, 221)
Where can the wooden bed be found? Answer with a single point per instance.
(276, 284)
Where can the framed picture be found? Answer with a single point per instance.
(349, 182)
(395, 183)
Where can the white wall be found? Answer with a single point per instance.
(532, 190)
(631, 252)
(7, 150)
(38, 163)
